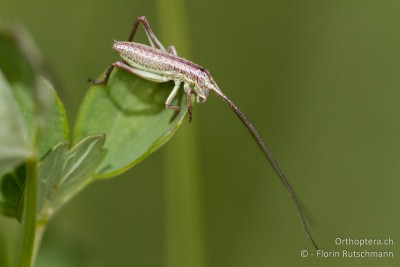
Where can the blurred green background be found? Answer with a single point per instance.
(319, 79)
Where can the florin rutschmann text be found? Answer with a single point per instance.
(377, 248)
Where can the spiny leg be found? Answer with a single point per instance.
(149, 32)
(188, 92)
(150, 35)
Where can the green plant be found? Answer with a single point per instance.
(41, 166)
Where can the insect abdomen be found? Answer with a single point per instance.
(156, 61)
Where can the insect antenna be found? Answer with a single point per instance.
(253, 131)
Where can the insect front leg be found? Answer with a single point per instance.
(149, 32)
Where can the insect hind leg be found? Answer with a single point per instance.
(149, 32)
(106, 76)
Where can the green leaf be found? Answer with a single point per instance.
(14, 144)
(32, 117)
(21, 62)
(33, 105)
(54, 123)
(64, 172)
(131, 112)
(12, 187)
(19, 57)
(20, 100)
(14, 147)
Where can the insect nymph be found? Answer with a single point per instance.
(155, 63)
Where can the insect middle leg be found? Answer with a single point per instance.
(171, 49)
(172, 95)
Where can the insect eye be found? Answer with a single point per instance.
(201, 82)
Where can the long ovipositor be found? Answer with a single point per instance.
(155, 63)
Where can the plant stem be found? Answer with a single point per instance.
(40, 228)
(184, 238)
(31, 191)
